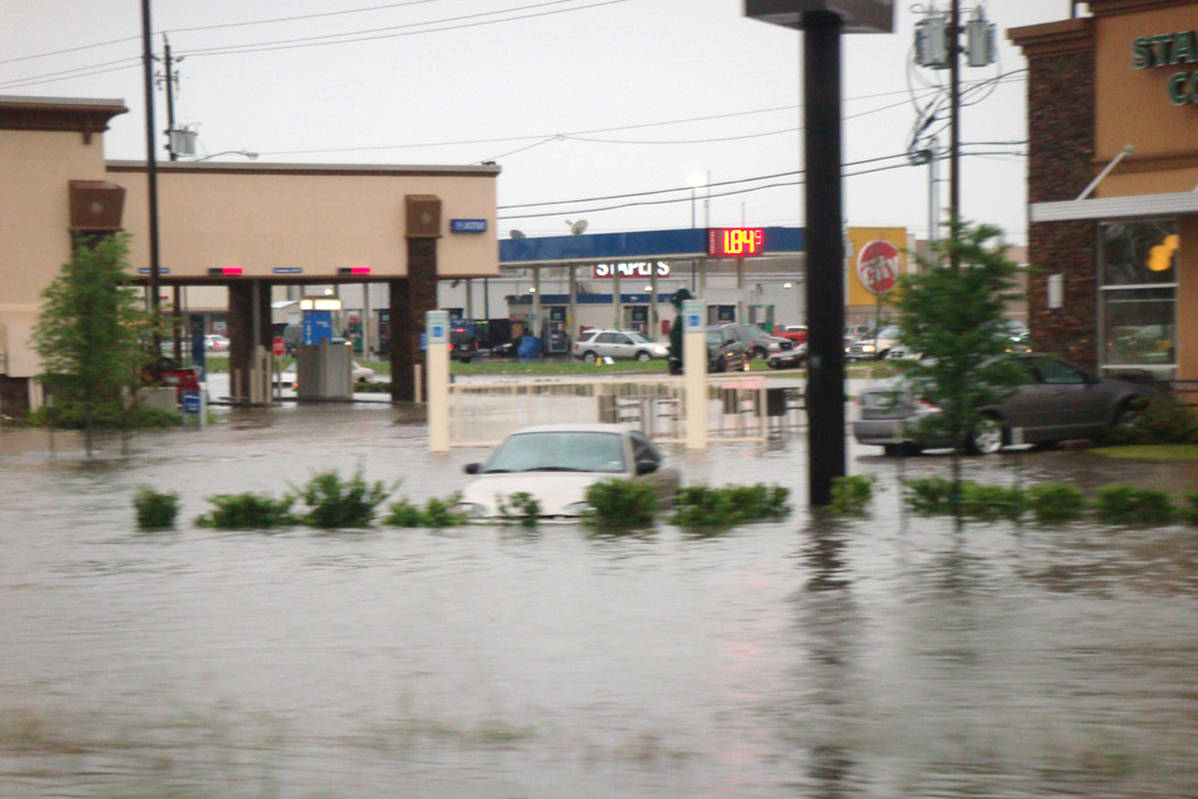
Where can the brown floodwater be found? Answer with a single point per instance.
(886, 656)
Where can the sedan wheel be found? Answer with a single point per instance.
(986, 438)
(759, 353)
(1126, 416)
(642, 356)
(589, 357)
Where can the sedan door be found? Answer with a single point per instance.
(1078, 405)
(606, 345)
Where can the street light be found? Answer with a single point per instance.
(250, 155)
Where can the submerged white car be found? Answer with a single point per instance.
(556, 463)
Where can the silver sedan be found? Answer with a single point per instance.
(1056, 401)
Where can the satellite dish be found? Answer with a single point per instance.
(578, 227)
(516, 234)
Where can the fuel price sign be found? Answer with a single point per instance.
(735, 242)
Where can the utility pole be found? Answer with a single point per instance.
(170, 97)
(954, 101)
(151, 164)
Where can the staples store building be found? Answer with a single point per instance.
(1113, 185)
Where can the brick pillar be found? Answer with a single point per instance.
(412, 297)
(242, 336)
(1061, 98)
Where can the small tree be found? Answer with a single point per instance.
(951, 312)
(91, 336)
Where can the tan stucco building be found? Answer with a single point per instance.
(245, 227)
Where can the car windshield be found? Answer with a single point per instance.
(888, 332)
(559, 451)
(715, 337)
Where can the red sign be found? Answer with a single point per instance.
(735, 242)
(276, 347)
(878, 266)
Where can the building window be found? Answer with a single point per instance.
(1138, 272)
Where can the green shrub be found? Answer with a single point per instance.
(1163, 421)
(335, 503)
(521, 507)
(851, 494)
(1053, 503)
(1132, 505)
(1190, 511)
(622, 502)
(701, 506)
(248, 511)
(156, 510)
(988, 503)
(436, 513)
(929, 494)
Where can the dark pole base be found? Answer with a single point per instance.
(825, 254)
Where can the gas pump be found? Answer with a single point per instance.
(554, 335)
(636, 317)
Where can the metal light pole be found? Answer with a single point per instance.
(822, 22)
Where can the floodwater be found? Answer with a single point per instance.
(888, 656)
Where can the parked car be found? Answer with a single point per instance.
(216, 342)
(758, 343)
(789, 359)
(725, 351)
(796, 333)
(598, 343)
(557, 463)
(874, 345)
(362, 374)
(1056, 401)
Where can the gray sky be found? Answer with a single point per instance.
(576, 99)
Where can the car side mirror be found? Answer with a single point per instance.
(646, 466)
(472, 468)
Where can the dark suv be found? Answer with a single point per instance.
(462, 345)
(725, 351)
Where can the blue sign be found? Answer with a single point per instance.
(318, 325)
(423, 341)
(195, 323)
(145, 270)
(438, 332)
(468, 225)
(191, 402)
(288, 270)
(692, 320)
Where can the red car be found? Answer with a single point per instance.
(796, 333)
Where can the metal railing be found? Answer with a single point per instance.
(739, 408)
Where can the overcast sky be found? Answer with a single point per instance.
(577, 100)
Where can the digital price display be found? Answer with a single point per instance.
(736, 242)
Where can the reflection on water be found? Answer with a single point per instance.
(885, 656)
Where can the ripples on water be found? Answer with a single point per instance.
(880, 657)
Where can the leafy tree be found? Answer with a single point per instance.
(91, 336)
(951, 313)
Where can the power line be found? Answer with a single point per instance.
(674, 200)
(219, 26)
(296, 44)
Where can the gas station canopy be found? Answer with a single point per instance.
(650, 244)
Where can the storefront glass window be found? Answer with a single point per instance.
(1139, 287)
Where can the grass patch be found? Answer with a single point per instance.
(1155, 452)
(850, 494)
(156, 510)
(703, 507)
(1133, 506)
(247, 511)
(435, 513)
(335, 503)
(622, 503)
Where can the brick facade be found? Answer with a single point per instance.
(1061, 103)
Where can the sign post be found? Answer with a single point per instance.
(436, 358)
(694, 370)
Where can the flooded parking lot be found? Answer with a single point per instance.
(877, 657)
